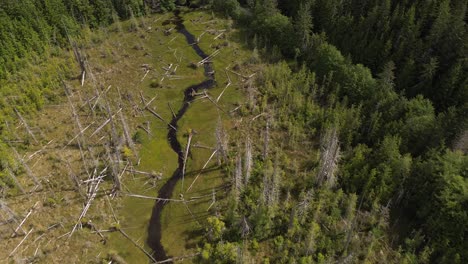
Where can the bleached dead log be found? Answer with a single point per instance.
(170, 260)
(204, 166)
(209, 57)
(104, 124)
(202, 146)
(221, 143)
(126, 131)
(235, 109)
(172, 110)
(20, 226)
(73, 177)
(39, 151)
(146, 73)
(201, 35)
(150, 101)
(138, 246)
(145, 129)
(257, 116)
(15, 180)
(22, 241)
(142, 98)
(83, 75)
(213, 199)
(218, 36)
(174, 38)
(99, 95)
(222, 92)
(212, 101)
(153, 198)
(26, 168)
(159, 117)
(79, 134)
(28, 129)
(187, 149)
(240, 75)
(10, 215)
(150, 174)
(94, 190)
(81, 140)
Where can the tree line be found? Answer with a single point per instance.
(388, 79)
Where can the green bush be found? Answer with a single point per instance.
(229, 8)
(138, 137)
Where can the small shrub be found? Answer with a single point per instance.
(155, 83)
(127, 153)
(138, 137)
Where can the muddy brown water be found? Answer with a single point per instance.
(154, 228)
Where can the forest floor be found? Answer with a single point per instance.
(128, 62)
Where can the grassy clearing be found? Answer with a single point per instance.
(115, 58)
(180, 227)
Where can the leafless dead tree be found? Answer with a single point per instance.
(247, 160)
(221, 142)
(329, 158)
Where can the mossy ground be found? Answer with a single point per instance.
(181, 223)
(115, 56)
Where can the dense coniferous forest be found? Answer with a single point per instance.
(355, 151)
(389, 80)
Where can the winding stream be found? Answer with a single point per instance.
(154, 229)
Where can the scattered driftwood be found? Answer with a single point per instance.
(92, 192)
(208, 58)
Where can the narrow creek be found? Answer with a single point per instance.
(154, 228)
